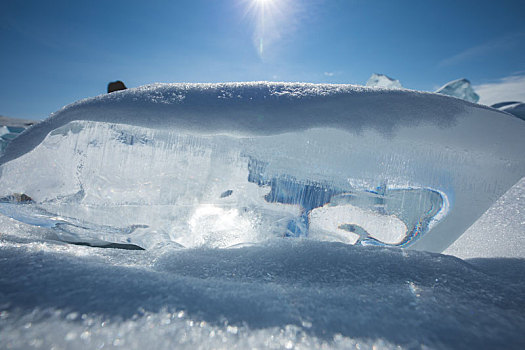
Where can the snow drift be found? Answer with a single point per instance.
(291, 294)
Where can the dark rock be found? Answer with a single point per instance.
(17, 198)
(110, 245)
(226, 193)
(116, 86)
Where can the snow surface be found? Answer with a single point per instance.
(223, 164)
(460, 88)
(282, 293)
(383, 81)
(290, 293)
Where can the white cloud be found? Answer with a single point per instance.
(490, 47)
(506, 89)
(329, 74)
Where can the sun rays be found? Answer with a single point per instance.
(271, 18)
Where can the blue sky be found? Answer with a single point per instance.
(56, 52)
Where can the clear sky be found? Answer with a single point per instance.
(56, 52)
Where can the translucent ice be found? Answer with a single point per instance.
(383, 81)
(11, 128)
(460, 88)
(219, 165)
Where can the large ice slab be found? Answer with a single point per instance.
(460, 88)
(226, 164)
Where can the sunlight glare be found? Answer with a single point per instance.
(271, 18)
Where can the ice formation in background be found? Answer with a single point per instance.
(219, 165)
(460, 88)
(383, 81)
(514, 108)
(11, 128)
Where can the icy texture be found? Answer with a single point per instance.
(230, 164)
(7, 134)
(460, 88)
(499, 233)
(284, 294)
(383, 81)
(514, 108)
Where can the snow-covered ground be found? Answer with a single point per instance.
(290, 293)
(248, 199)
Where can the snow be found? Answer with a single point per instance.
(225, 164)
(244, 165)
(460, 88)
(284, 294)
(383, 81)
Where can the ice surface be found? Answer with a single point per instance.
(383, 81)
(219, 165)
(460, 88)
(499, 233)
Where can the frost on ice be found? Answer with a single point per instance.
(383, 81)
(221, 165)
(460, 88)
